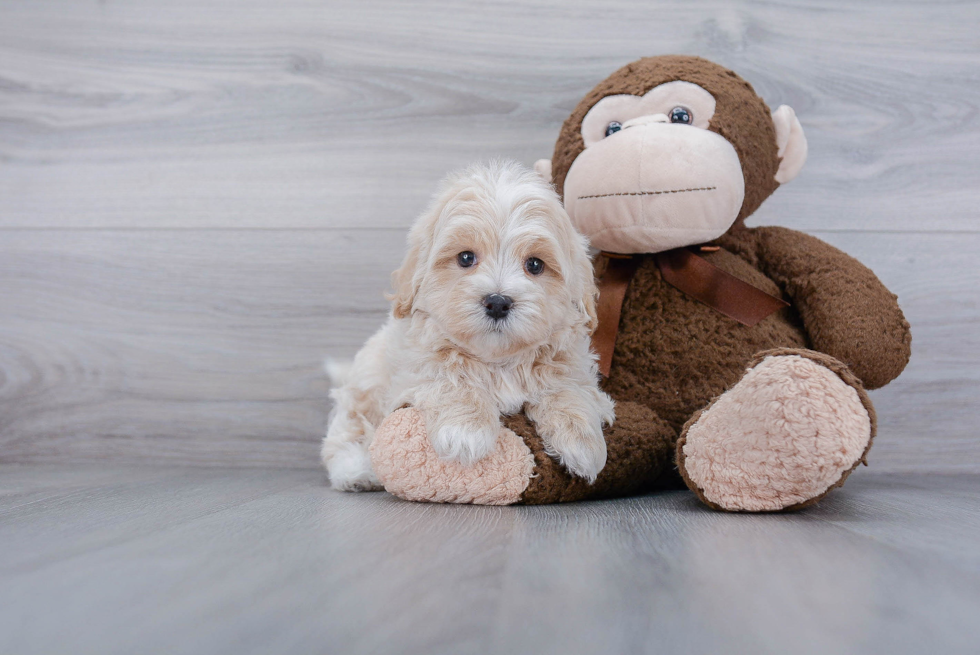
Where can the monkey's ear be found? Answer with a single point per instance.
(543, 168)
(791, 143)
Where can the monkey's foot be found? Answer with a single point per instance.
(793, 428)
(409, 467)
(640, 448)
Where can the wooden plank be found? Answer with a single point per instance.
(113, 504)
(933, 516)
(297, 114)
(659, 575)
(206, 347)
(128, 344)
(224, 561)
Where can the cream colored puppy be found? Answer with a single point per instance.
(493, 308)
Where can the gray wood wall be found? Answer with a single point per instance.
(199, 201)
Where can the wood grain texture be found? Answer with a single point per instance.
(206, 347)
(345, 114)
(167, 560)
(199, 201)
(196, 346)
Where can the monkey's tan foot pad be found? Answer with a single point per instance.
(791, 429)
(408, 466)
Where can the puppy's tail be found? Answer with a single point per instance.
(338, 370)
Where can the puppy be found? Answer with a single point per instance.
(492, 312)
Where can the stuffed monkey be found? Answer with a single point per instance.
(738, 357)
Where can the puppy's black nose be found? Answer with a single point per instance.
(497, 306)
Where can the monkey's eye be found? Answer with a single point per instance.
(466, 258)
(534, 266)
(681, 115)
(613, 127)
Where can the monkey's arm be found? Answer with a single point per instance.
(846, 310)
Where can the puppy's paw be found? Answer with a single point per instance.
(570, 425)
(466, 443)
(349, 468)
(579, 448)
(605, 408)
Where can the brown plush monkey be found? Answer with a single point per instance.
(738, 357)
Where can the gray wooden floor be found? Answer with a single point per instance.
(188, 560)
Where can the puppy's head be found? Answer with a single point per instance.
(496, 264)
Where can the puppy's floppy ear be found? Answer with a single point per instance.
(590, 292)
(589, 299)
(579, 273)
(407, 280)
(403, 281)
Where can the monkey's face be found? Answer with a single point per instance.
(652, 177)
(670, 151)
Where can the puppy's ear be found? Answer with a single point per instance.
(589, 299)
(403, 281)
(590, 292)
(407, 280)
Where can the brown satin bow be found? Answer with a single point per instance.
(687, 272)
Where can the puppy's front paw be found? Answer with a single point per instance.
(581, 449)
(572, 434)
(571, 430)
(467, 443)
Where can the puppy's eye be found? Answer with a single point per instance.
(613, 127)
(466, 258)
(534, 266)
(681, 115)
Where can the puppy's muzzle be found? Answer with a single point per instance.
(497, 305)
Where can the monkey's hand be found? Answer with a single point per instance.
(846, 310)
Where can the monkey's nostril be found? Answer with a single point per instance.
(497, 306)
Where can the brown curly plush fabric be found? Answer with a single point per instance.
(741, 116)
(674, 355)
(640, 446)
(848, 312)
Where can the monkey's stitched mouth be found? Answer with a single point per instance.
(649, 193)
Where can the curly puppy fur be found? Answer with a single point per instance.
(443, 352)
